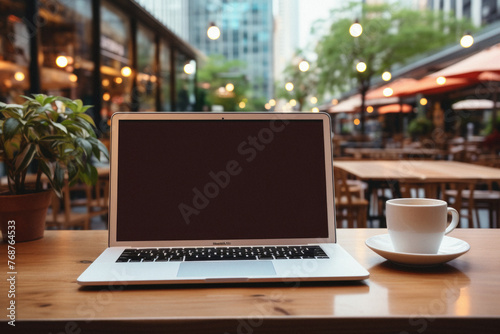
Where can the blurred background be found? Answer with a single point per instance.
(402, 80)
(251, 55)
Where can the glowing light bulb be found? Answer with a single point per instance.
(126, 71)
(304, 66)
(61, 61)
(213, 32)
(356, 29)
(361, 67)
(387, 92)
(466, 41)
(189, 68)
(386, 76)
(441, 80)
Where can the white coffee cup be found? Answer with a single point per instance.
(418, 225)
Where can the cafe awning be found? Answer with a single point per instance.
(353, 104)
(407, 86)
(474, 104)
(395, 108)
(487, 60)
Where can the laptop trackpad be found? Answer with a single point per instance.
(226, 269)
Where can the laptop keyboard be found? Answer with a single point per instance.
(221, 253)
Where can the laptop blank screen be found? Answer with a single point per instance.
(221, 180)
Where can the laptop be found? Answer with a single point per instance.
(221, 197)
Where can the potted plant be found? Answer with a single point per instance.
(54, 136)
(420, 127)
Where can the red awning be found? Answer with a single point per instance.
(395, 108)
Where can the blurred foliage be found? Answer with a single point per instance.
(305, 83)
(420, 126)
(215, 74)
(391, 36)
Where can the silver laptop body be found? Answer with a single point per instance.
(215, 183)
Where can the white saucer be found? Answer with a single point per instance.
(450, 249)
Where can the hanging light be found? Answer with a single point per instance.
(361, 67)
(387, 92)
(304, 66)
(441, 80)
(229, 87)
(213, 32)
(386, 76)
(126, 71)
(189, 68)
(467, 40)
(356, 29)
(19, 76)
(62, 61)
(289, 86)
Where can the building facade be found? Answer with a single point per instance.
(286, 33)
(480, 12)
(246, 34)
(110, 53)
(172, 13)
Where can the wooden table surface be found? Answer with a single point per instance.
(396, 152)
(429, 170)
(458, 297)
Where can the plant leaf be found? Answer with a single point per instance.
(85, 144)
(11, 127)
(87, 118)
(25, 158)
(60, 126)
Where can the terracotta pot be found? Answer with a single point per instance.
(27, 211)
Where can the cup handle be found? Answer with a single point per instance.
(455, 218)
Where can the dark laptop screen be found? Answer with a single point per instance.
(221, 180)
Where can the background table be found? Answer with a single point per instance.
(461, 296)
(414, 170)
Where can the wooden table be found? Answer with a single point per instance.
(459, 297)
(389, 173)
(395, 153)
(414, 170)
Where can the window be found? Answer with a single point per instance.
(116, 71)
(14, 52)
(66, 44)
(146, 70)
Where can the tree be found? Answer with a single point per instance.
(304, 82)
(391, 35)
(215, 75)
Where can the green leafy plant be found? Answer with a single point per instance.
(420, 126)
(54, 133)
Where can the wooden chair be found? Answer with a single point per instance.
(97, 198)
(349, 206)
(62, 216)
(415, 189)
(488, 199)
(460, 195)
